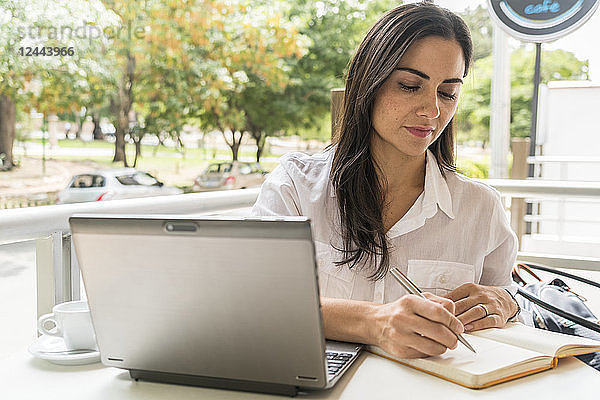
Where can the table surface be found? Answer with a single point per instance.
(23, 376)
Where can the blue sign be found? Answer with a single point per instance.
(541, 20)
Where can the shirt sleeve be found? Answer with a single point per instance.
(501, 251)
(278, 195)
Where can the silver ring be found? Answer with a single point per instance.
(484, 310)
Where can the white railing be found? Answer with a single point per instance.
(564, 168)
(563, 163)
(546, 189)
(35, 222)
(58, 274)
(57, 271)
(537, 188)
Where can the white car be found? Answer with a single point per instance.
(112, 184)
(230, 175)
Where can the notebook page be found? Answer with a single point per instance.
(539, 340)
(462, 363)
(490, 356)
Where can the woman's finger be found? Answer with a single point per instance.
(433, 331)
(463, 305)
(463, 291)
(446, 303)
(434, 312)
(427, 346)
(475, 313)
(491, 321)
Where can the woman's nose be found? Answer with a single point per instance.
(429, 107)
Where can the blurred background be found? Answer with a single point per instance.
(169, 87)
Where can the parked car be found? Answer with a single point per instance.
(112, 184)
(230, 175)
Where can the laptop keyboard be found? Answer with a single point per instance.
(336, 361)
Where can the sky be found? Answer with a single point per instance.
(578, 42)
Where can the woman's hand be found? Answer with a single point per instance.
(479, 307)
(415, 327)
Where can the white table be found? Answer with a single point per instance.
(25, 377)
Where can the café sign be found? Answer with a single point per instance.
(541, 20)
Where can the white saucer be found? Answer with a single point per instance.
(53, 343)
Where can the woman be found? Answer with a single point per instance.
(386, 194)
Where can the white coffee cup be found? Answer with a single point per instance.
(72, 322)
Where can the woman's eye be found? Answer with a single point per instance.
(448, 96)
(408, 88)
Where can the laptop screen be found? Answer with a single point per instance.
(222, 297)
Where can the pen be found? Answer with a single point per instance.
(413, 289)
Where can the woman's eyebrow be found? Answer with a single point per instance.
(425, 76)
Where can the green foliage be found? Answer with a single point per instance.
(335, 29)
(38, 77)
(473, 114)
(259, 66)
(555, 65)
(472, 118)
(472, 169)
(45, 52)
(230, 65)
(480, 25)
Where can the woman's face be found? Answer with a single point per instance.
(418, 99)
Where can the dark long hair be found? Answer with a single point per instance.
(359, 193)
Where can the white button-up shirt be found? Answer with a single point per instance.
(456, 231)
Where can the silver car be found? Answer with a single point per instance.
(112, 184)
(230, 175)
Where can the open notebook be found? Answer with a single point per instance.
(502, 354)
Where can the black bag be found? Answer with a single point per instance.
(555, 307)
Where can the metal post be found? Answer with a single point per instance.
(534, 105)
(74, 273)
(533, 130)
(56, 281)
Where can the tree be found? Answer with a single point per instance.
(24, 78)
(74, 87)
(266, 112)
(125, 49)
(334, 29)
(472, 119)
(255, 42)
(175, 74)
(556, 65)
(8, 112)
(193, 63)
(473, 114)
(479, 23)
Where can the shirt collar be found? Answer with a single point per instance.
(436, 189)
(436, 192)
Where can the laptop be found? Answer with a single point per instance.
(223, 302)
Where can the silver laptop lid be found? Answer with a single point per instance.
(223, 297)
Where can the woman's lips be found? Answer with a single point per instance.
(419, 131)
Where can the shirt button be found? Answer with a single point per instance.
(443, 279)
